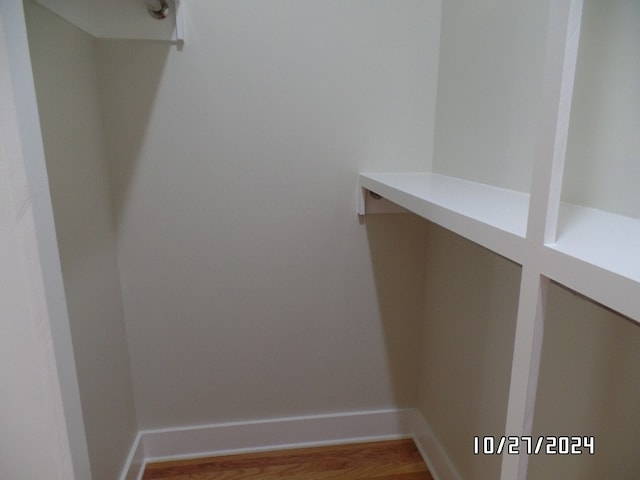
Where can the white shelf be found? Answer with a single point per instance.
(493, 217)
(121, 19)
(597, 253)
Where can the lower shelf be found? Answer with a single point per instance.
(597, 254)
(601, 238)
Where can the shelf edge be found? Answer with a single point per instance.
(505, 243)
(608, 288)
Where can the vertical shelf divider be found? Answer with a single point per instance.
(560, 63)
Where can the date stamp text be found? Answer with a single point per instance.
(540, 445)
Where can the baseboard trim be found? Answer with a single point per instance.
(284, 433)
(134, 466)
(432, 451)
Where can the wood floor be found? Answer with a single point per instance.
(397, 460)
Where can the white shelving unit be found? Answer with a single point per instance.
(588, 250)
(493, 217)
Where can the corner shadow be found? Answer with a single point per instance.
(397, 245)
(129, 74)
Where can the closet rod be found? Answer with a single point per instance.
(160, 13)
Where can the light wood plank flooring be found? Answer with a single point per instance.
(396, 459)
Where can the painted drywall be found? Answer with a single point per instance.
(63, 60)
(37, 384)
(31, 415)
(588, 386)
(471, 305)
(602, 168)
(489, 88)
(41, 265)
(249, 286)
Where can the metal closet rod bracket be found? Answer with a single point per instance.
(161, 10)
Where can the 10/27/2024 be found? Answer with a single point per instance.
(530, 445)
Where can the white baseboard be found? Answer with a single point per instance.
(134, 467)
(283, 433)
(432, 451)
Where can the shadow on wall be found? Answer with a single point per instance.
(471, 302)
(588, 387)
(140, 65)
(397, 243)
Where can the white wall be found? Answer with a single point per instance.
(471, 303)
(41, 430)
(602, 168)
(248, 281)
(30, 415)
(63, 59)
(489, 87)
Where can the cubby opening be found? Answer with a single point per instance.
(587, 387)
(601, 167)
(599, 219)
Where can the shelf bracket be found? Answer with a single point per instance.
(370, 202)
(179, 18)
(160, 10)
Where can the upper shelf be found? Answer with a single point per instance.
(121, 19)
(493, 217)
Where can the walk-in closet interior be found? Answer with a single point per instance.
(300, 222)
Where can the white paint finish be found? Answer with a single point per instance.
(134, 467)
(63, 59)
(603, 286)
(600, 238)
(493, 217)
(588, 386)
(118, 19)
(489, 89)
(294, 432)
(434, 454)
(249, 287)
(588, 250)
(525, 366)
(471, 303)
(553, 124)
(276, 434)
(35, 231)
(602, 168)
(559, 67)
(31, 415)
